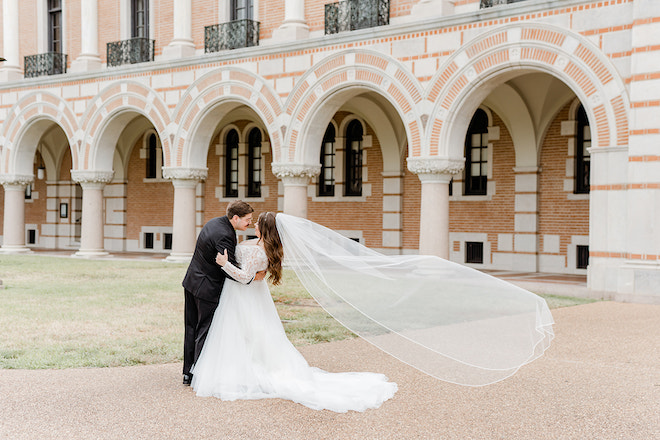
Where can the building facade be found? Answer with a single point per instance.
(511, 135)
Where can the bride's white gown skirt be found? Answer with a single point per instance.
(248, 356)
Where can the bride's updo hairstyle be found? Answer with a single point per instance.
(272, 244)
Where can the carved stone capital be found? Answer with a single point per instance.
(435, 165)
(86, 176)
(295, 170)
(8, 180)
(180, 173)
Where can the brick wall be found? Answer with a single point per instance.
(145, 201)
(559, 215)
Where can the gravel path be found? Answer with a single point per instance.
(600, 379)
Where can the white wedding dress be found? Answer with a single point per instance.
(248, 356)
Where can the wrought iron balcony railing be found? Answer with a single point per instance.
(49, 63)
(350, 15)
(231, 35)
(491, 3)
(135, 50)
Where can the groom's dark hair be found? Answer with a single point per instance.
(239, 208)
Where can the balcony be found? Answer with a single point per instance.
(49, 63)
(135, 50)
(350, 15)
(491, 3)
(231, 35)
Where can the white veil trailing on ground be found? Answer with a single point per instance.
(450, 321)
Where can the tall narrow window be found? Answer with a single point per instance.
(55, 26)
(140, 18)
(476, 155)
(582, 156)
(353, 180)
(241, 9)
(152, 157)
(254, 163)
(326, 186)
(231, 164)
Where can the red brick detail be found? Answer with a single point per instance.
(491, 60)
(371, 60)
(329, 65)
(368, 76)
(533, 53)
(399, 97)
(454, 91)
(643, 158)
(435, 136)
(621, 120)
(300, 91)
(643, 132)
(407, 82)
(442, 80)
(594, 63)
(261, 105)
(580, 78)
(603, 126)
(486, 43)
(294, 137)
(548, 36)
(241, 77)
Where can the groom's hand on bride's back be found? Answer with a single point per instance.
(222, 259)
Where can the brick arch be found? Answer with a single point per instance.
(322, 90)
(472, 72)
(26, 116)
(118, 98)
(225, 87)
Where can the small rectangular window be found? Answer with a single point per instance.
(148, 240)
(32, 236)
(582, 255)
(167, 237)
(474, 252)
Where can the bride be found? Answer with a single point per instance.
(247, 354)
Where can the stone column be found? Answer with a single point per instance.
(182, 45)
(14, 213)
(526, 219)
(11, 70)
(92, 234)
(294, 26)
(89, 29)
(435, 175)
(295, 178)
(185, 181)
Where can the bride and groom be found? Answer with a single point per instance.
(235, 346)
(447, 320)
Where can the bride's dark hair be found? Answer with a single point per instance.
(272, 244)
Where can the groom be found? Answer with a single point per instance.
(205, 278)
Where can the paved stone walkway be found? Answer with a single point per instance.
(600, 379)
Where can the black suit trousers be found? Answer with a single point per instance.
(198, 317)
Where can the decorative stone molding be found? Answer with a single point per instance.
(179, 173)
(435, 165)
(85, 176)
(282, 170)
(15, 179)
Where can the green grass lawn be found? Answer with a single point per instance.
(63, 312)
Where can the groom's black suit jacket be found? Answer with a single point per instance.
(205, 277)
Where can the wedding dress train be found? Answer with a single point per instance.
(248, 356)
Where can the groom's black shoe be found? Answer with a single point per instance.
(187, 378)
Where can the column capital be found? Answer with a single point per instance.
(432, 169)
(92, 177)
(18, 180)
(181, 173)
(293, 173)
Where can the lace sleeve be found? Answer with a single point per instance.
(249, 267)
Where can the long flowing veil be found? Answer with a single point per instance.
(450, 321)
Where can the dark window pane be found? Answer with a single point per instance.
(148, 240)
(231, 164)
(474, 252)
(582, 155)
(476, 155)
(168, 241)
(353, 178)
(582, 257)
(254, 163)
(326, 181)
